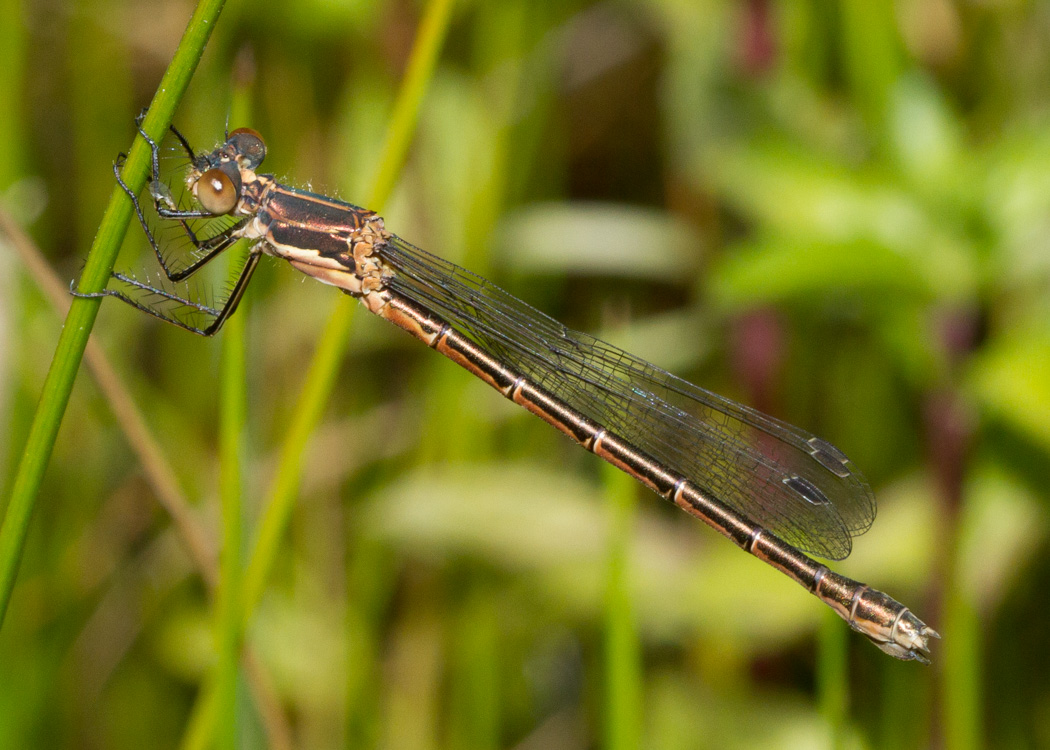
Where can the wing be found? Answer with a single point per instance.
(793, 484)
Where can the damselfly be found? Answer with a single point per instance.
(773, 489)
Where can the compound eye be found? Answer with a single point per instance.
(248, 147)
(218, 190)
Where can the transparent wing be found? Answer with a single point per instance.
(797, 486)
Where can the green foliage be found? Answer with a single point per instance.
(837, 212)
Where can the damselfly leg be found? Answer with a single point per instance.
(200, 238)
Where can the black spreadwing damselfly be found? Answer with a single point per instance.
(773, 489)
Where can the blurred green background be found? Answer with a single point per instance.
(838, 212)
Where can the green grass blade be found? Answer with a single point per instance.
(833, 676)
(622, 653)
(82, 313)
(323, 368)
(229, 632)
(233, 410)
(13, 34)
(963, 685)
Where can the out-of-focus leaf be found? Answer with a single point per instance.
(674, 341)
(551, 528)
(898, 551)
(185, 643)
(775, 270)
(906, 332)
(1011, 380)
(682, 710)
(925, 134)
(458, 138)
(599, 239)
(1017, 204)
(315, 19)
(812, 199)
(1002, 526)
(795, 190)
(523, 517)
(872, 55)
(301, 639)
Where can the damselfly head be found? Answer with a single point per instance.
(216, 178)
(247, 147)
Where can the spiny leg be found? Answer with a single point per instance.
(143, 296)
(141, 117)
(212, 246)
(220, 315)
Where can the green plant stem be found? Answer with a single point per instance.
(323, 369)
(13, 33)
(623, 678)
(832, 675)
(156, 468)
(231, 428)
(81, 318)
(233, 410)
(155, 465)
(963, 703)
